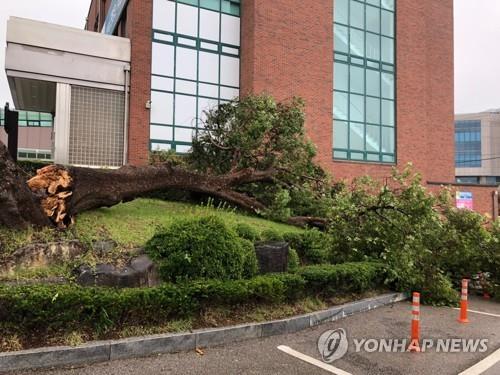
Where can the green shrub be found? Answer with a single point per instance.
(271, 235)
(35, 309)
(247, 232)
(313, 246)
(326, 279)
(439, 291)
(250, 263)
(293, 261)
(200, 248)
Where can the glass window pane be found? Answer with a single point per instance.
(373, 2)
(372, 46)
(357, 108)
(341, 39)
(340, 132)
(373, 110)
(388, 4)
(387, 23)
(387, 50)
(357, 80)
(340, 106)
(340, 57)
(210, 4)
(33, 116)
(230, 7)
(357, 136)
(357, 156)
(341, 12)
(388, 140)
(340, 154)
(388, 112)
(191, 2)
(388, 158)
(373, 138)
(388, 85)
(357, 15)
(357, 42)
(341, 76)
(372, 82)
(373, 19)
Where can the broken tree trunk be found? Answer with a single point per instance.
(19, 208)
(57, 193)
(67, 191)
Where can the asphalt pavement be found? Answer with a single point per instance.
(390, 322)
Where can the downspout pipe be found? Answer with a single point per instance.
(126, 70)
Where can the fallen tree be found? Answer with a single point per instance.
(248, 147)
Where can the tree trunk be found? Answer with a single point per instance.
(57, 193)
(19, 208)
(67, 191)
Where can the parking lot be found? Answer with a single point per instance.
(391, 322)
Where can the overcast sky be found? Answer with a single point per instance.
(477, 40)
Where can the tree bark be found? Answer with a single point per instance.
(58, 193)
(67, 191)
(19, 208)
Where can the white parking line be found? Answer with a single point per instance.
(312, 361)
(484, 365)
(479, 312)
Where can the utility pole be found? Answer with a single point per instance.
(12, 129)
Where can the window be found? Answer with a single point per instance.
(364, 119)
(30, 118)
(468, 144)
(195, 66)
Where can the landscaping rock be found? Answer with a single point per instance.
(141, 272)
(42, 255)
(272, 256)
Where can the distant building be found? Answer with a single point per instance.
(477, 148)
(35, 135)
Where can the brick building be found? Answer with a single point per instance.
(376, 75)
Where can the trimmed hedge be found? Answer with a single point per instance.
(345, 277)
(40, 308)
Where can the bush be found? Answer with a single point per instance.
(250, 262)
(247, 232)
(312, 245)
(201, 248)
(293, 261)
(35, 309)
(328, 279)
(271, 235)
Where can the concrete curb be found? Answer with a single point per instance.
(102, 351)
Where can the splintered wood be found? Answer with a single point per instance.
(52, 185)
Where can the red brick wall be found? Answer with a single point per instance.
(287, 51)
(139, 26)
(482, 197)
(425, 101)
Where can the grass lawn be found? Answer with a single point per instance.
(131, 224)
